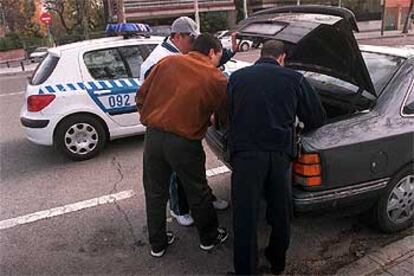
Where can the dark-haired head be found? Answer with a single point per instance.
(210, 46)
(274, 49)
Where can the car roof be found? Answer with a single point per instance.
(108, 41)
(404, 51)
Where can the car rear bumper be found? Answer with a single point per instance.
(305, 201)
(29, 123)
(37, 127)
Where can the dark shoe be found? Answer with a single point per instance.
(276, 261)
(221, 238)
(160, 253)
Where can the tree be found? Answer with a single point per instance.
(213, 21)
(14, 14)
(76, 16)
(408, 18)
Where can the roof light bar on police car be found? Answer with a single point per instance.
(128, 29)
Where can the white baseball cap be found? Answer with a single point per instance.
(185, 25)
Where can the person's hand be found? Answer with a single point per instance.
(234, 43)
(212, 120)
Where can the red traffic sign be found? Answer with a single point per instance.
(46, 18)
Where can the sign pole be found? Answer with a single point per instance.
(383, 17)
(49, 36)
(245, 8)
(197, 15)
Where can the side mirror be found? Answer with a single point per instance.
(409, 108)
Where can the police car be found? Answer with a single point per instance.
(83, 94)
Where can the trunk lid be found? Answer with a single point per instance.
(319, 39)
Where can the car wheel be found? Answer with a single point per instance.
(395, 208)
(245, 47)
(80, 137)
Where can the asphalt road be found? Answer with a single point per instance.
(111, 238)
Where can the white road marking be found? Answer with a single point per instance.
(73, 207)
(9, 223)
(12, 94)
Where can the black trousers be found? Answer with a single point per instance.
(256, 174)
(164, 153)
(178, 200)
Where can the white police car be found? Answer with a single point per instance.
(83, 94)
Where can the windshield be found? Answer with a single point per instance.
(381, 68)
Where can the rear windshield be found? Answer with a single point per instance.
(44, 70)
(381, 68)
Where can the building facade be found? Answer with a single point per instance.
(144, 10)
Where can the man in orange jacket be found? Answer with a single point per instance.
(176, 102)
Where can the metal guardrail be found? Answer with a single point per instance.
(148, 3)
(11, 61)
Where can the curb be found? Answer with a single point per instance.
(379, 261)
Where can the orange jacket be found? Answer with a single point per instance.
(181, 93)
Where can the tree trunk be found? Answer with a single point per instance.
(408, 19)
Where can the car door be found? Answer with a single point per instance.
(113, 80)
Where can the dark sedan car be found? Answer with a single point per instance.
(364, 153)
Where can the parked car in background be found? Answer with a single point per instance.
(38, 54)
(364, 155)
(225, 38)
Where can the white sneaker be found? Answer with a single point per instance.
(220, 204)
(184, 220)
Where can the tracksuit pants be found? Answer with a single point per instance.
(164, 153)
(257, 174)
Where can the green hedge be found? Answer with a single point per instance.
(13, 41)
(10, 41)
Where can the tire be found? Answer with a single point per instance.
(244, 47)
(80, 137)
(395, 209)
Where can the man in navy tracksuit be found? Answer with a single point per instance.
(264, 100)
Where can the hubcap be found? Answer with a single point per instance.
(400, 206)
(81, 138)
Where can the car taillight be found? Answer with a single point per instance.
(307, 170)
(36, 103)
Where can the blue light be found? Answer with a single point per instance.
(126, 28)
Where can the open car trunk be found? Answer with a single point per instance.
(340, 100)
(321, 44)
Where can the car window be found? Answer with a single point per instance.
(44, 70)
(381, 68)
(105, 64)
(134, 56)
(408, 108)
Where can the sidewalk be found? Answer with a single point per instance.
(372, 30)
(395, 259)
(377, 34)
